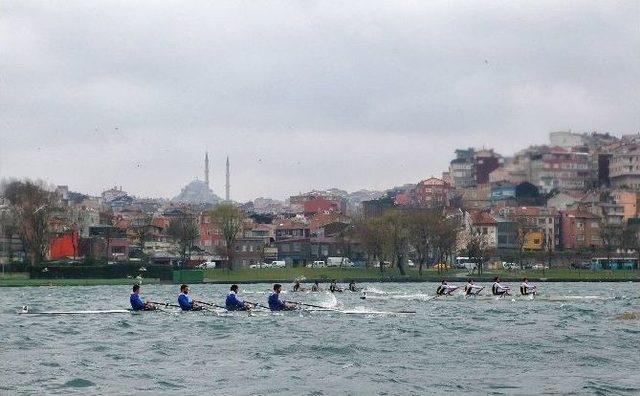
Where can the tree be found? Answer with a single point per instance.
(229, 221)
(611, 236)
(31, 203)
(631, 238)
(445, 238)
(422, 226)
(184, 230)
(523, 228)
(477, 247)
(370, 231)
(396, 242)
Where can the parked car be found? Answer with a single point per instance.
(509, 266)
(278, 264)
(316, 264)
(255, 266)
(580, 266)
(207, 265)
(410, 263)
(539, 266)
(339, 262)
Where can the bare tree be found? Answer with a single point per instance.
(229, 221)
(371, 234)
(397, 237)
(423, 226)
(611, 236)
(31, 203)
(477, 247)
(184, 230)
(445, 238)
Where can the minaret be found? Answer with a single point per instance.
(227, 186)
(206, 168)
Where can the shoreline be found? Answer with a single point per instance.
(322, 279)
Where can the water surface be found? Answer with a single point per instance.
(566, 341)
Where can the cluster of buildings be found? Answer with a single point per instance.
(550, 197)
(554, 197)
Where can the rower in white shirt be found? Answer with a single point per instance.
(498, 289)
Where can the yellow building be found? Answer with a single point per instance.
(533, 240)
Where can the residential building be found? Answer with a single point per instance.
(483, 223)
(624, 167)
(580, 229)
(629, 202)
(292, 228)
(248, 251)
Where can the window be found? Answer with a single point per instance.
(244, 248)
(285, 247)
(595, 238)
(594, 224)
(297, 247)
(251, 248)
(580, 238)
(579, 225)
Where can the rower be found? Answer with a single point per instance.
(527, 289)
(185, 301)
(471, 289)
(445, 289)
(497, 289)
(274, 300)
(297, 287)
(333, 287)
(352, 287)
(315, 287)
(136, 302)
(233, 303)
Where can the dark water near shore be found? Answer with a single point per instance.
(566, 341)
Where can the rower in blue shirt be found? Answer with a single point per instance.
(185, 301)
(274, 300)
(233, 303)
(136, 302)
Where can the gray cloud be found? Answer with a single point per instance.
(301, 94)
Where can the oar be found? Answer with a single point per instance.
(310, 305)
(257, 304)
(209, 304)
(166, 304)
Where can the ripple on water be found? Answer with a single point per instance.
(78, 383)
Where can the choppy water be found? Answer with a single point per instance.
(567, 341)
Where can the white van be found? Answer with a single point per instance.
(339, 262)
(278, 264)
(317, 264)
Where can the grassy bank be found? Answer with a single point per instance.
(374, 275)
(287, 275)
(17, 281)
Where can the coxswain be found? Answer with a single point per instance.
(333, 287)
(233, 303)
(471, 289)
(445, 289)
(185, 301)
(315, 287)
(352, 287)
(136, 302)
(497, 289)
(527, 289)
(275, 304)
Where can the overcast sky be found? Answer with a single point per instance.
(300, 94)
